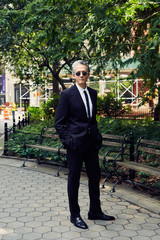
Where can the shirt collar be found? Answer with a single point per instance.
(80, 88)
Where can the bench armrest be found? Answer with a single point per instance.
(136, 152)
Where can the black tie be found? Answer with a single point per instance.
(87, 101)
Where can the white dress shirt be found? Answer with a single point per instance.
(81, 91)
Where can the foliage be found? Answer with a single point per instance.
(143, 176)
(35, 113)
(125, 32)
(147, 128)
(31, 133)
(43, 37)
(39, 38)
(107, 34)
(48, 108)
(99, 104)
(112, 106)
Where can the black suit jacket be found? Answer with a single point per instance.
(71, 121)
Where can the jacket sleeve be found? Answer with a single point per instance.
(61, 118)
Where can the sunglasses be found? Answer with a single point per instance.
(84, 73)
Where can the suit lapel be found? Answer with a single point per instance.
(92, 99)
(79, 100)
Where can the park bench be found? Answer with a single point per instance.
(37, 143)
(121, 152)
(131, 160)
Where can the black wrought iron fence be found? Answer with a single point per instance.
(7, 131)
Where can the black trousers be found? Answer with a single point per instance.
(89, 155)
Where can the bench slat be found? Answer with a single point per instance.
(50, 135)
(49, 130)
(46, 148)
(113, 144)
(149, 150)
(151, 142)
(110, 136)
(139, 167)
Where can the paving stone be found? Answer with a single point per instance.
(131, 226)
(121, 238)
(33, 224)
(115, 227)
(60, 229)
(71, 234)
(15, 225)
(32, 236)
(125, 216)
(150, 226)
(153, 220)
(24, 230)
(121, 221)
(36, 207)
(141, 238)
(145, 232)
(155, 238)
(25, 219)
(42, 229)
(100, 238)
(137, 220)
(109, 233)
(8, 219)
(127, 233)
(13, 236)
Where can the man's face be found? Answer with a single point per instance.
(81, 75)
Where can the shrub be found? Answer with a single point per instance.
(35, 114)
(112, 106)
(100, 108)
(48, 108)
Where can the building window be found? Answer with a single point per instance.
(21, 94)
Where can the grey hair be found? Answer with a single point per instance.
(77, 63)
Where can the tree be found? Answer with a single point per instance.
(120, 27)
(42, 37)
(146, 44)
(108, 35)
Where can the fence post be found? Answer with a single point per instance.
(14, 125)
(131, 146)
(23, 121)
(28, 118)
(131, 171)
(19, 123)
(5, 138)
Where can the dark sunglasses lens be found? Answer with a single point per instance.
(83, 73)
(78, 73)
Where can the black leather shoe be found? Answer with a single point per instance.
(78, 222)
(100, 216)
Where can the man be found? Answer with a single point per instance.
(75, 122)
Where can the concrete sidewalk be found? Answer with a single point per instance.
(34, 206)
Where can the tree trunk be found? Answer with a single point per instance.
(56, 79)
(56, 86)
